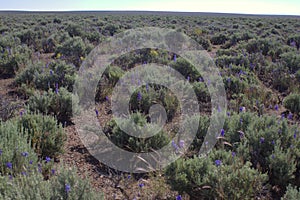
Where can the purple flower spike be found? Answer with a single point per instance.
(67, 188)
(139, 96)
(218, 163)
(233, 154)
(175, 58)
(9, 165)
(222, 132)
(97, 112)
(48, 159)
(276, 107)
(290, 116)
(178, 197)
(141, 185)
(24, 154)
(181, 143)
(262, 140)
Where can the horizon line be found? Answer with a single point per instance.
(172, 11)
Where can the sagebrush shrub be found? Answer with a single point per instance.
(46, 136)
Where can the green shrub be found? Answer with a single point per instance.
(292, 193)
(218, 176)
(292, 102)
(60, 104)
(106, 84)
(45, 76)
(47, 137)
(130, 143)
(15, 149)
(65, 185)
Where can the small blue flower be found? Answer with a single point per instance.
(262, 140)
(174, 145)
(175, 58)
(276, 107)
(181, 143)
(25, 154)
(273, 142)
(178, 197)
(141, 185)
(290, 116)
(48, 159)
(30, 162)
(24, 173)
(9, 165)
(233, 154)
(67, 188)
(97, 112)
(218, 163)
(139, 96)
(222, 132)
(188, 78)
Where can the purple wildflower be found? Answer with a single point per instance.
(222, 132)
(107, 98)
(51, 72)
(24, 173)
(1, 152)
(30, 162)
(175, 58)
(218, 163)
(174, 145)
(48, 159)
(67, 188)
(53, 171)
(25, 154)
(97, 112)
(181, 143)
(262, 140)
(290, 116)
(178, 197)
(233, 154)
(273, 142)
(188, 78)
(276, 107)
(295, 135)
(139, 96)
(9, 165)
(141, 185)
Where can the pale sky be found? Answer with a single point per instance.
(288, 7)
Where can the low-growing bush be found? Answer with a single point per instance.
(48, 75)
(16, 154)
(59, 103)
(292, 102)
(134, 144)
(218, 176)
(46, 136)
(64, 184)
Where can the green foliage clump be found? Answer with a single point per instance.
(130, 143)
(292, 102)
(15, 149)
(59, 103)
(218, 176)
(46, 136)
(45, 76)
(292, 193)
(65, 184)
